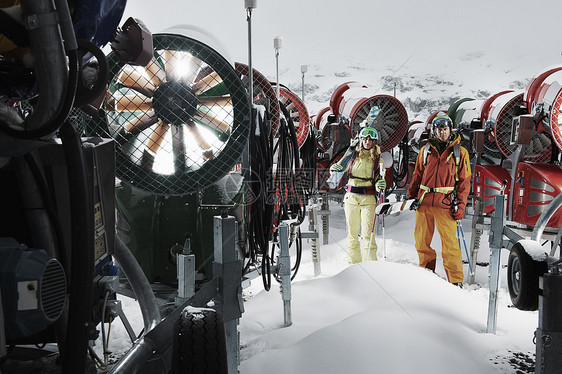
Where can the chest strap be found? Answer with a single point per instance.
(434, 189)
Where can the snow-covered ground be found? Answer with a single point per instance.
(389, 316)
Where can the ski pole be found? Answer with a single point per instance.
(371, 239)
(373, 230)
(383, 239)
(459, 229)
(382, 173)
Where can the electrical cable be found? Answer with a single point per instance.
(259, 212)
(308, 152)
(298, 243)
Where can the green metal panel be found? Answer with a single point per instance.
(157, 223)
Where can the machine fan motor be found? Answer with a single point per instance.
(33, 286)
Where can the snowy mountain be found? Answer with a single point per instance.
(432, 52)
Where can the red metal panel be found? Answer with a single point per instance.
(488, 180)
(536, 185)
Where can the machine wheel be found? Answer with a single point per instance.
(523, 278)
(199, 345)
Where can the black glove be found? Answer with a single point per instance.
(415, 205)
(457, 214)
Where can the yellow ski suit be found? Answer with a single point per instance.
(438, 172)
(359, 206)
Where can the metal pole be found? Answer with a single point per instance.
(315, 243)
(285, 272)
(496, 244)
(186, 273)
(228, 267)
(477, 231)
(325, 213)
(277, 44)
(277, 71)
(304, 68)
(302, 89)
(249, 5)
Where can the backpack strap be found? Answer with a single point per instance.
(426, 150)
(456, 154)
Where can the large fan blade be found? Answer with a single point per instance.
(207, 82)
(181, 66)
(135, 80)
(215, 100)
(178, 148)
(157, 137)
(155, 72)
(129, 103)
(211, 121)
(171, 61)
(192, 127)
(141, 123)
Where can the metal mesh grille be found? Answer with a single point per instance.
(53, 290)
(297, 111)
(391, 122)
(539, 150)
(555, 120)
(181, 122)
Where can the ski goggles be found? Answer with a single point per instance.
(441, 123)
(368, 132)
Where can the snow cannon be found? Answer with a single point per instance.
(333, 140)
(503, 111)
(543, 99)
(322, 122)
(297, 111)
(337, 95)
(180, 126)
(358, 104)
(466, 114)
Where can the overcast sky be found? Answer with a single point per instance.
(314, 30)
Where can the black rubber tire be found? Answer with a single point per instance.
(199, 345)
(523, 278)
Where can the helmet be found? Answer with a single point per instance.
(440, 121)
(369, 132)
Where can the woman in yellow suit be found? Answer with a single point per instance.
(360, 200)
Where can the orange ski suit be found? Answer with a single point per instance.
(432, 184)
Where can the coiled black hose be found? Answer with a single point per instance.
(82, 252)
(259, 213)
